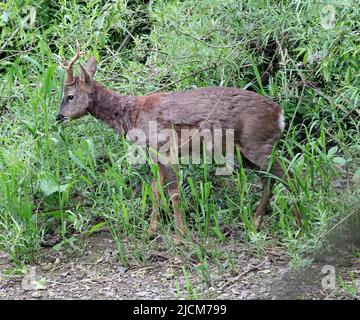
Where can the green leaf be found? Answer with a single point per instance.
(306, 55)
(81, 164)
(95, 228)
(5, 17)
(332, 151)
(58, 214)
(49, 185)
(258, 77)
(356, 176)
(29, 126)
(339, 160)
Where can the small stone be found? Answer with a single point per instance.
(100, 259)
(168, 276)
(266, 271)
(144, 294)
(46, 266)
(64, 274)
(36, 294)
(120, 270)
(79, 275)
(110, 294)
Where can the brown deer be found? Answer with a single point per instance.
(256, 121)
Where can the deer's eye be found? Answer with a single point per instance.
(70, 97)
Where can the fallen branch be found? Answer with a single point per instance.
(238, 277)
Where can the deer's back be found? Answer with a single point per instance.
(252, 116)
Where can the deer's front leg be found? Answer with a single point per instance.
(173, 191)
(154, 218)
(179, 225)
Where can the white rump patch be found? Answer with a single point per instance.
(282, 121)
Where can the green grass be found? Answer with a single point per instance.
(75, 179)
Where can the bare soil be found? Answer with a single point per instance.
(96, 273)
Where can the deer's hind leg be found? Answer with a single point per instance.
(264, 201)
(259, 157)
(267, 184)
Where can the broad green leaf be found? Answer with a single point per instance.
(48, 186)
(332, 151)
(339, 160)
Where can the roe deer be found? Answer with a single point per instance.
(256, 121)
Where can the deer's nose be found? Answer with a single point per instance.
(60, 117)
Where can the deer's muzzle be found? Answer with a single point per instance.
(60, 118)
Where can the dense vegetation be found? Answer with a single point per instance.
(74, 180)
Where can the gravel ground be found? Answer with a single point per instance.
(98, 274)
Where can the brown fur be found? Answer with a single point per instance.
(254, 118)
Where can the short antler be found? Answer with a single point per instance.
(70, 77)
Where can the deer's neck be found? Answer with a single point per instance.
(112, 108)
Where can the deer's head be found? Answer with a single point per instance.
(77, 89)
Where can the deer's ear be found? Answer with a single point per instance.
(84, 76)
(91, 66)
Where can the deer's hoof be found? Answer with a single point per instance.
(150, 231)
(179, 237)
